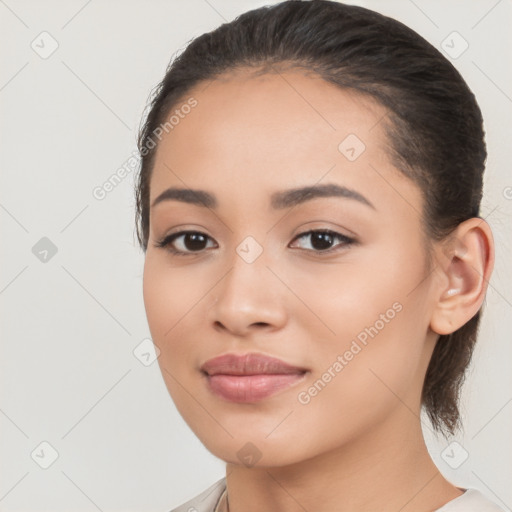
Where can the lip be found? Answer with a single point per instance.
(249, 377)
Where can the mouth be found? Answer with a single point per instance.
(250, 377)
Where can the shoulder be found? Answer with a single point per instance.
(471, 501)
(206, 501)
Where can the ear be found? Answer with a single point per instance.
(465, 262)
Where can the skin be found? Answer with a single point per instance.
(358, 444)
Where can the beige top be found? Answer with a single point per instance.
(214, 499)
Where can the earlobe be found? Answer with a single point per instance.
(465, 261)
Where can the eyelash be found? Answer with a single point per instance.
(166, 242)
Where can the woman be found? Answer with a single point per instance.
(315, 268)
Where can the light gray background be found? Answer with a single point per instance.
(69, 325)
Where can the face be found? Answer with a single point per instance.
(332, 282)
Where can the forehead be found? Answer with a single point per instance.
(270, 131)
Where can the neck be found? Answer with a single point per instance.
(387, 469)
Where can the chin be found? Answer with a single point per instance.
(253, 451)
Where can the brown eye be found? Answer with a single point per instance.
(185, 242)
(324, 240)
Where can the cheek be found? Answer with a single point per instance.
(339, 301)
(169, 294)
(358, 384)
(368, 329)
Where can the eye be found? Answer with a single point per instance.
(322, 240)
(184, 243)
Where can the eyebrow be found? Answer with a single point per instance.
(279, 200)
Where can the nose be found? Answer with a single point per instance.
(249, 299)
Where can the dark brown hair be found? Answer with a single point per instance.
(434, 124)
